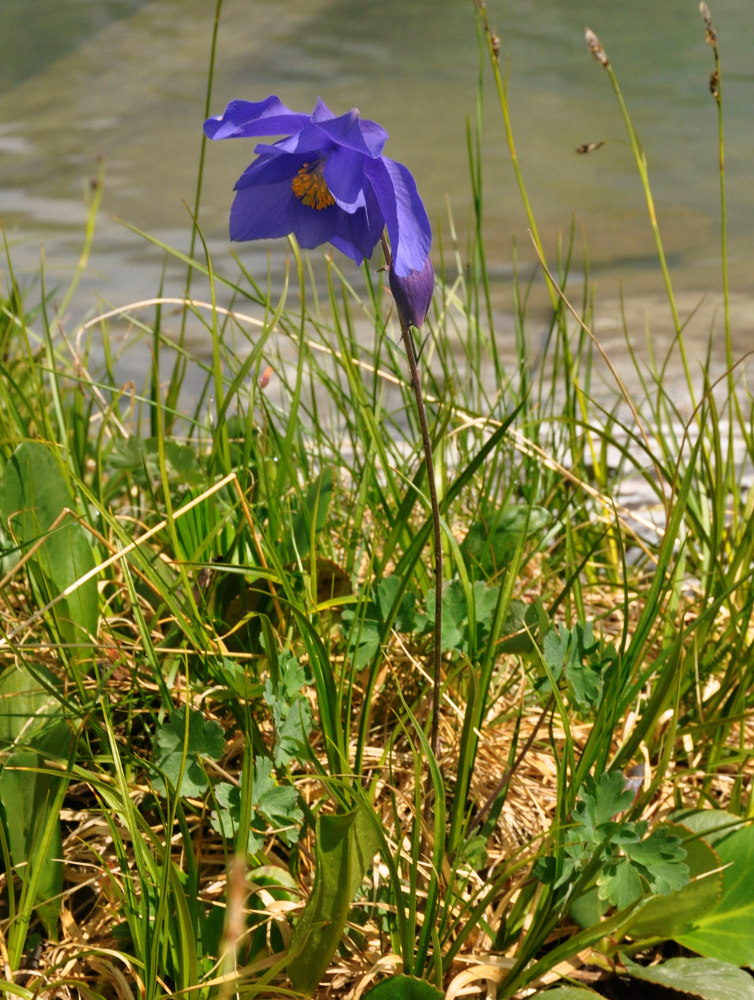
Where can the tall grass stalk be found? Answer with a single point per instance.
(640, 159)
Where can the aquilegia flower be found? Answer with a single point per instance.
(328, 182)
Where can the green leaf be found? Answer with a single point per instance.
(278, 804)
(707, 978)
(274, 808)
(141, 457)
(522, 621)
(386, 593)
(600, 800)
(661, 857)
(227, 816)
(404, 988)
(203, 739)
(576, 653)
(491, 540)
(588, 909)
(363, 636)
(33, 727)
(711, 824)
(290, 708)
(673, 914)
(34, 492)
(619, 882)
(345, 846)
(724, 932)
(455, 612)
(311, 516)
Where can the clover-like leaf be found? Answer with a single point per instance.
(291, 711)
(600, 800)
(661, 856)
(179, 747)
(619, 883)
(274, 808)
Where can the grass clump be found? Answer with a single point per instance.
(218, 767)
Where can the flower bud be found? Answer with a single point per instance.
(413, 294)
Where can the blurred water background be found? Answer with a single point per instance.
(125, 80)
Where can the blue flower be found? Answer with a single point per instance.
(327, 181)
(413, 294)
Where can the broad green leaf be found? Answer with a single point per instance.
(277, 804)
(522, 621)
(33, 727)
(725, 932)
(386, 592)
(673, 914)
(363, 634)
(226, 817)
(204, 738)
(404, 988)
(455, 612)
(711, 824)
(345, 846)
(588, 909)
(33, 494)
(707, 978)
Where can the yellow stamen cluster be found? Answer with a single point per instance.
(310, 187)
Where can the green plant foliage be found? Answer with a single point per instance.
(574, 632)
(677, 912)
(711, 824)
(707, 978)
(365, 624)
(274, 808)
(290, 708)
(179, 748)
(632, 862)
(523, 624)
(141, 458)
(404, 988)
(582, 658)
(346, 844)
(492, 539)
(33, 727)
(724, 931)
(34, 493)
(310, 518)
(456, 615)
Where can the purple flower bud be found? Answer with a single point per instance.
(413, 294)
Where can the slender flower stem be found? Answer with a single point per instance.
(416, 385)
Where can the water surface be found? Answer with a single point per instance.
(125, 80)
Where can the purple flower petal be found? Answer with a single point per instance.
(246, 119)
(261, 212)
(413, 294)
(326, 180)
(350, 132)
(405, 216)
(321, 112)
(344, 175)
(269, 169)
